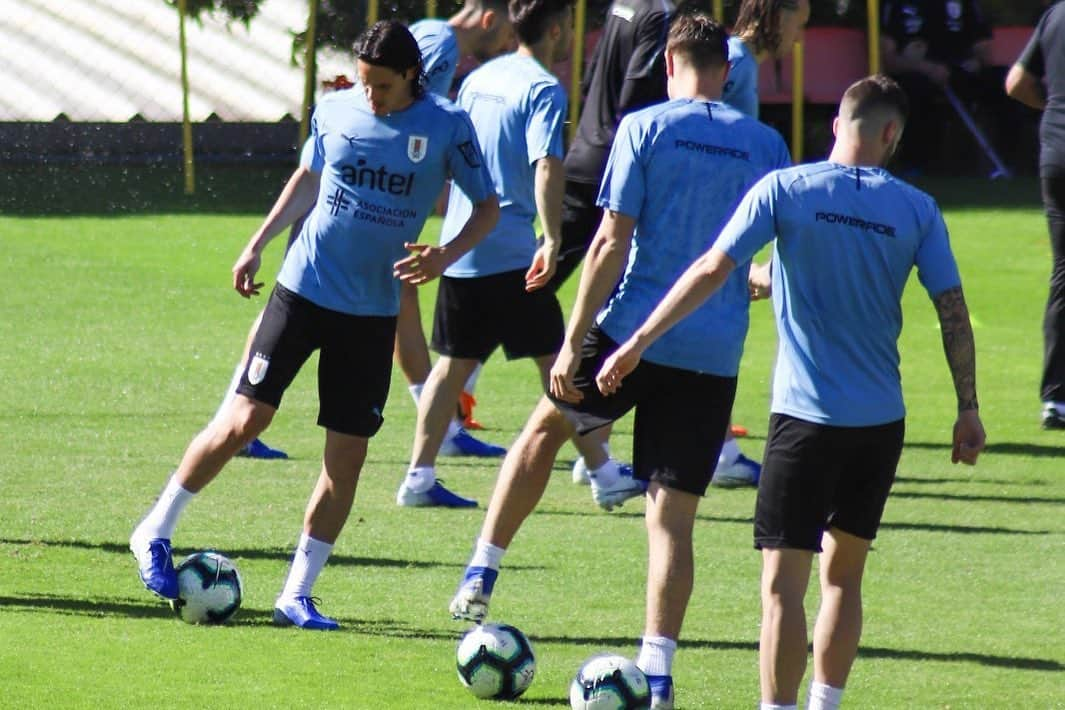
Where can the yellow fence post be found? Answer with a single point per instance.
(430, 8)
(576, 65)
(186, 121)
(874, 36)
(719, 10)
(797, 103)
(310, 71)
(373, 11)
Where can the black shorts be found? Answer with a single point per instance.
(680, 421)
(580, 220)
(474, 316)
(815, 477)
(354, 365)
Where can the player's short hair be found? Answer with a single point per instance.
(390, 44)
(758, 21)
(699, 38)
(532, 18)
(875, 97)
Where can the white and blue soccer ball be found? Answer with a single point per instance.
(209, 589)
(495, 661)
(609, 682)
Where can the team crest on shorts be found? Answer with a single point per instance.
(257, 368)
(417, 147)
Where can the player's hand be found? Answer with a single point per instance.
(561, 377)
(759, 281)
(244, 271)
(623, 361)
(424, 264)
(544, 262)
(969, 437)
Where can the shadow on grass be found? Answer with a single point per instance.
(1023, 500)
(88, 606)
(1006, 448)
(276, 553)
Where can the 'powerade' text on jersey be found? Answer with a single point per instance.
(517, 108)
(846, 241)
(679, 169)
(380, 176)
(440, 54)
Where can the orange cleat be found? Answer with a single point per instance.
(466, 405)
(738, 430)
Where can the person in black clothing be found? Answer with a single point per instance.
(927, 46)
(1037, 79)
(627, 72)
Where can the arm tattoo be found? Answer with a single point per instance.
(958, 345)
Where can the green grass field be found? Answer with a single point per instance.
(120, 333)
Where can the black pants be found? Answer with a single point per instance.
(1053, 389)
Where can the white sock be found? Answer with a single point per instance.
(471, 381)
(774, 706)
(230, 394)
(485, 554)
(606, 475)
(162, 518)
(823, 697)
(730, 451)
(453, 428)
(307, 563)
(420, 479)
(656, 655)
(416, 392)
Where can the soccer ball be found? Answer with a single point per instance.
(609, 682)
(209, 589)
(496, 661)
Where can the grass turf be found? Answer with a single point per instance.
(120, 334)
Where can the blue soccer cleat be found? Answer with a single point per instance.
(475, 591)
(464, 444)
(155, 565)
(741, 472)
(301, 612)
(610, 497)
(258, 450)
(661, 691)
(437, 496)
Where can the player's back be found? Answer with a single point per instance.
(517, 108)
(847, 240)
(696, 161)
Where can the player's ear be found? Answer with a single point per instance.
(835, 127)
(488, 19)
(669, 62)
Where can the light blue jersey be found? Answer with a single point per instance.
(440, 54)
(846, 241)
(517, 108)
(380, 176)
(680, 168)
(741, 89)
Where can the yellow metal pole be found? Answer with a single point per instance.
(576, 65)
(874, 36)
(797, 103)
(310, 70)
(430, 8)
(372, 11)
(186, 121)
(719, 10)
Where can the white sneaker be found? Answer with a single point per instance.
(580, 472)
(610, 497)
(741, 472)
(471, 600)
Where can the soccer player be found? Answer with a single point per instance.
(675, 173)
(481, 28)
(494, 295)
(836, 431)
(382, 151)
(763, 29)
(1043, 59)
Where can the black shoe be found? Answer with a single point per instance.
(1052, 419)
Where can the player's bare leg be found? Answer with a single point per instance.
(839, 620)
(783, 643)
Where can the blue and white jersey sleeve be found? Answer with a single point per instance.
(440, 54)
(307, 153)
(466, 164)
(624, 181)
(547, 114)
(741, 88)
(752, 225)
(936, 267)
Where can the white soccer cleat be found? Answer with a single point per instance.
(741, 472)
(471, 599)
(610, 497)
(580, 472)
